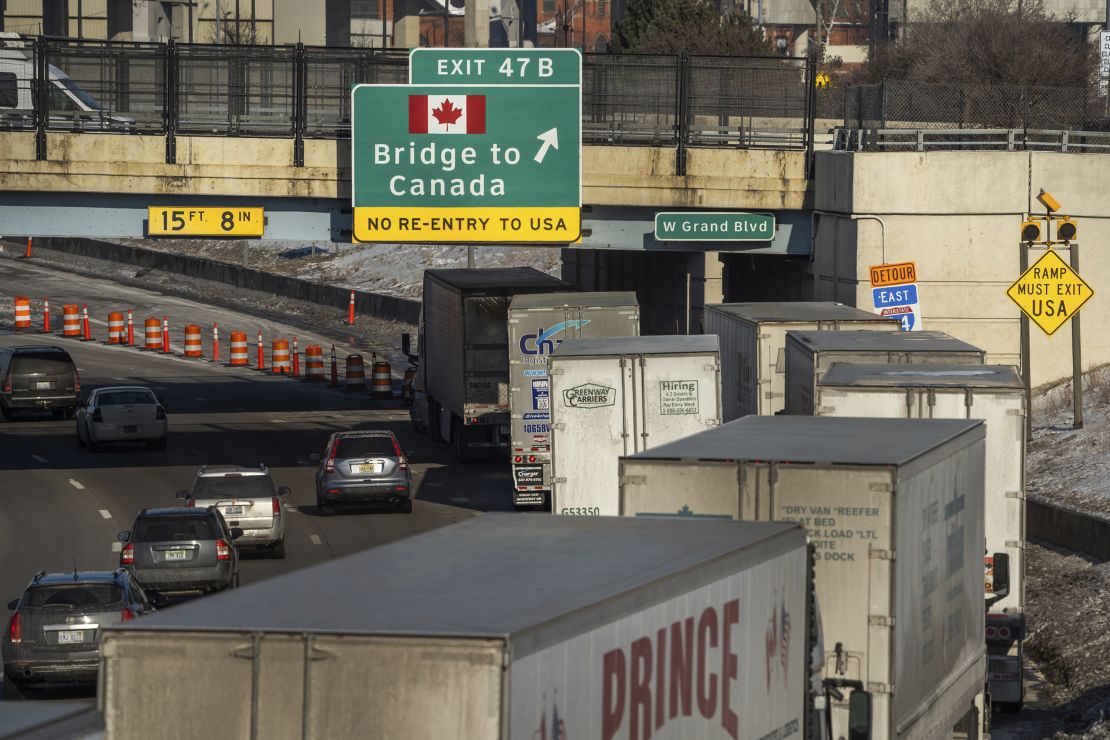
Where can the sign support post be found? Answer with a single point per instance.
(1076, 354)
(1026, 365)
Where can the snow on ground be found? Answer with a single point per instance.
(1070, 467)
(382, 268)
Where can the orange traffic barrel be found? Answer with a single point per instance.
(192, 341)
(239, 348)
(406, 384)
(71, 320)
(314, 362)
(279, 357)
(356, 373)
(152, 335)
(381, 380)
(22, 312)
(115, 328)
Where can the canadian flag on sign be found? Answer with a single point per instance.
(447, 114)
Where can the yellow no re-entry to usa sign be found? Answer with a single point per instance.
(1050, 292)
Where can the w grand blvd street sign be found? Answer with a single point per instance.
(466, 163)
(714, 226)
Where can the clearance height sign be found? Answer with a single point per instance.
(467, 163)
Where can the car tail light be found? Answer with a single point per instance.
(276, 505)
(223, 551)
(402, 462)
(8, 383)
(190, 503)
(127, 554)
(126, 615)
(15, 630)
(400, 488)
(531, 458)
(991, 632)
(160, 413)
(76, 380)
(1004, 633)
(98, 416)
(329, 466)
(518, 459)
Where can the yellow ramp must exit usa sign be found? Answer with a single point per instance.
(1050, 292)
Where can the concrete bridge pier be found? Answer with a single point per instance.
(672, 287)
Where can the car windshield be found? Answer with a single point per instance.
(74, 596)
(234, 486)
(122, 398)
(45, 362)
(167, 529)
(76, 90)
(348, 447)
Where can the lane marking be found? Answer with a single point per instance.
(105, 513)
(117, 546)
(38, 459)
(315, 539)
(461, 500)
(76, 483)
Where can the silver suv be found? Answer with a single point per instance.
(363, 467)
(247, 498)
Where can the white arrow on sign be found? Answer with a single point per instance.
(550, 138)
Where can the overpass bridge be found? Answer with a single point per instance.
(271, 125)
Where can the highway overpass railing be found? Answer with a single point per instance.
(997, 139)
(303, 92)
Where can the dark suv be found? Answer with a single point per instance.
(38, 378)
(181, 550)
(53, 635)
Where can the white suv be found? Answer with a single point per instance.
(247, 499)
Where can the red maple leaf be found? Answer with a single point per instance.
(447, 113)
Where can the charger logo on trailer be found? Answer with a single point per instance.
(589, 396)
(543, 341)
(558, 726)
(667, 675)
(778, 644)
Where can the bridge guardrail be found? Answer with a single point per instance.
(980, 139)
(303, 92)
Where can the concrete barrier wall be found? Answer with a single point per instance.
(367, 303)
(1068, 529)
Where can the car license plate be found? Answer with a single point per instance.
(131, 429)
(233, 510)
(66, 637)
(43, 385)
(175, 554)
(376, 466)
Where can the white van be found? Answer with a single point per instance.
(68, 101)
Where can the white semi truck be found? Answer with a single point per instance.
(894, 508)
(996, 394)
(538, 324)
(460, 392)
(753, 346)
(616, 396)
(609, 629)
(810, 353)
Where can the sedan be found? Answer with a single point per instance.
(122, 414)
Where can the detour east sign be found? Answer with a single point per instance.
(1050, 292)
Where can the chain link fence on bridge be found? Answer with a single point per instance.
(907, 104)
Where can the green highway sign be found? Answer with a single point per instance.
(467, 163)
(714, 226)
(430, 66)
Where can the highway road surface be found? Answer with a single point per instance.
(62, 506)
